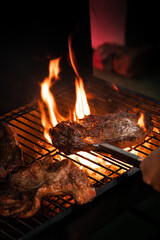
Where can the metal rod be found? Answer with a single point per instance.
(96, 163)
(122, 154)
(90, 168)
(111, 160)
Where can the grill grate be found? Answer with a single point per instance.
(101, 168)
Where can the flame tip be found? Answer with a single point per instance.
(81, 107)
(141, 122)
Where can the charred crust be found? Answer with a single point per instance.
(71, 136)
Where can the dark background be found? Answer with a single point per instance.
(31, 35)
(142, 23)
(30, 38)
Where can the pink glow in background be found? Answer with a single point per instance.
(107, 18)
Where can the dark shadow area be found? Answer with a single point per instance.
(27, 45)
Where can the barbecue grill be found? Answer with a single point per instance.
(118, 185)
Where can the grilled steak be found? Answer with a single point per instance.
(10, 151)
(20, 195)
(119, 129)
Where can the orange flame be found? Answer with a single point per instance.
(81, 110)
(54, 68)
(81, 107)
(140, 122)
(49, 100)
(45, 123)
(72, 57)
(115, 87)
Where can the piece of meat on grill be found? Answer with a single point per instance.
(119, 129)
(10, 151)
(21, 194)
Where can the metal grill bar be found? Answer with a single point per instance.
(85, 166)
(113, 161)
(23, 130)
(26, 122)
(50, 204)
(5, 234)
(98, 164)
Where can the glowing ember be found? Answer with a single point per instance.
(141, 122)
(115, 87)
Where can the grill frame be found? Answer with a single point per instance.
(74, 212)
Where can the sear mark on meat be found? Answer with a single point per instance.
(119, 129)
(20, 195)
(10, 151)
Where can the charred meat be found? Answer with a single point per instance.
(10, 151)
(20, 195)
(119, 129)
